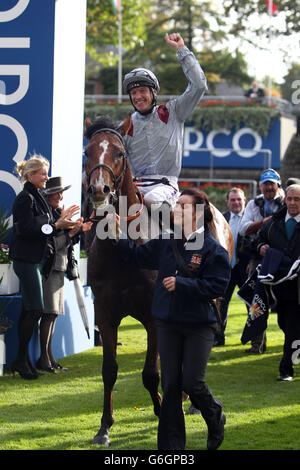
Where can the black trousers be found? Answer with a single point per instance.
(184, 351)
(289, 323)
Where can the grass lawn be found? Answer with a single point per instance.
(63, 411)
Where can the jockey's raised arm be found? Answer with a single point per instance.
(154, 141)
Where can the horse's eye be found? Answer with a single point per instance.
(119, 156)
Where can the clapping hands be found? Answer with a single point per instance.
(85, 227)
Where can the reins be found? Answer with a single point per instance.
(138, 213)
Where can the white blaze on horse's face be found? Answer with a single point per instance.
(102, 183)
(103, 146)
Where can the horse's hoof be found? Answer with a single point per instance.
(102, 440)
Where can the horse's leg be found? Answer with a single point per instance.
(150, 372)
(109, 375)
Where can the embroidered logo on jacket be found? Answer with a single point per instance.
(257, 308)
(195, 261)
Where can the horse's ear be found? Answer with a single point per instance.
(125, 125)
(88, 122)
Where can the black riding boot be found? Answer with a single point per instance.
(28, 322)
(46, 333)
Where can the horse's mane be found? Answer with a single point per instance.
(102, 122)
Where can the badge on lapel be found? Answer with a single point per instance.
(47, 229)
(195, 261)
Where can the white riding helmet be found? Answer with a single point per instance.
(140, 77)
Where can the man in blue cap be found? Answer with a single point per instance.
(258, 212)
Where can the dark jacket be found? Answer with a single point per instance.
(68, 243)
(190, 302)
(259, 91)
(30, 212)
(273, 233)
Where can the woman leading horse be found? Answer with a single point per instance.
(120, 289)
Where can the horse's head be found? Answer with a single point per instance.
(105, 164)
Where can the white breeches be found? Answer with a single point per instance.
(160, 193)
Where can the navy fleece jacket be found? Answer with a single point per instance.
(190, 302)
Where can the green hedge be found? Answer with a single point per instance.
(206, 117)
(259, 118)
(216, 192)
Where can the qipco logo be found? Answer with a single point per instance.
(296, 353)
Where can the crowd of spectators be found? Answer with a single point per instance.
(268, 224)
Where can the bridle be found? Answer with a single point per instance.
(117, 180)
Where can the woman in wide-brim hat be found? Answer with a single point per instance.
(55, 185)
(53, 285)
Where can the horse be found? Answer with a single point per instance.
(119, 289)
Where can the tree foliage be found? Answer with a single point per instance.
(102, 28)
(246, 11)
(197, 20)
(143, 22)
(287, 88)
(205, 25)
(201, 26)
(225, 65)
(217, 65)
(199, 23)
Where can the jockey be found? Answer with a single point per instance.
(154, 139)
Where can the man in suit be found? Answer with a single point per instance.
(255, 93)
(282, 233)
(257, 213)
(235, 201)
